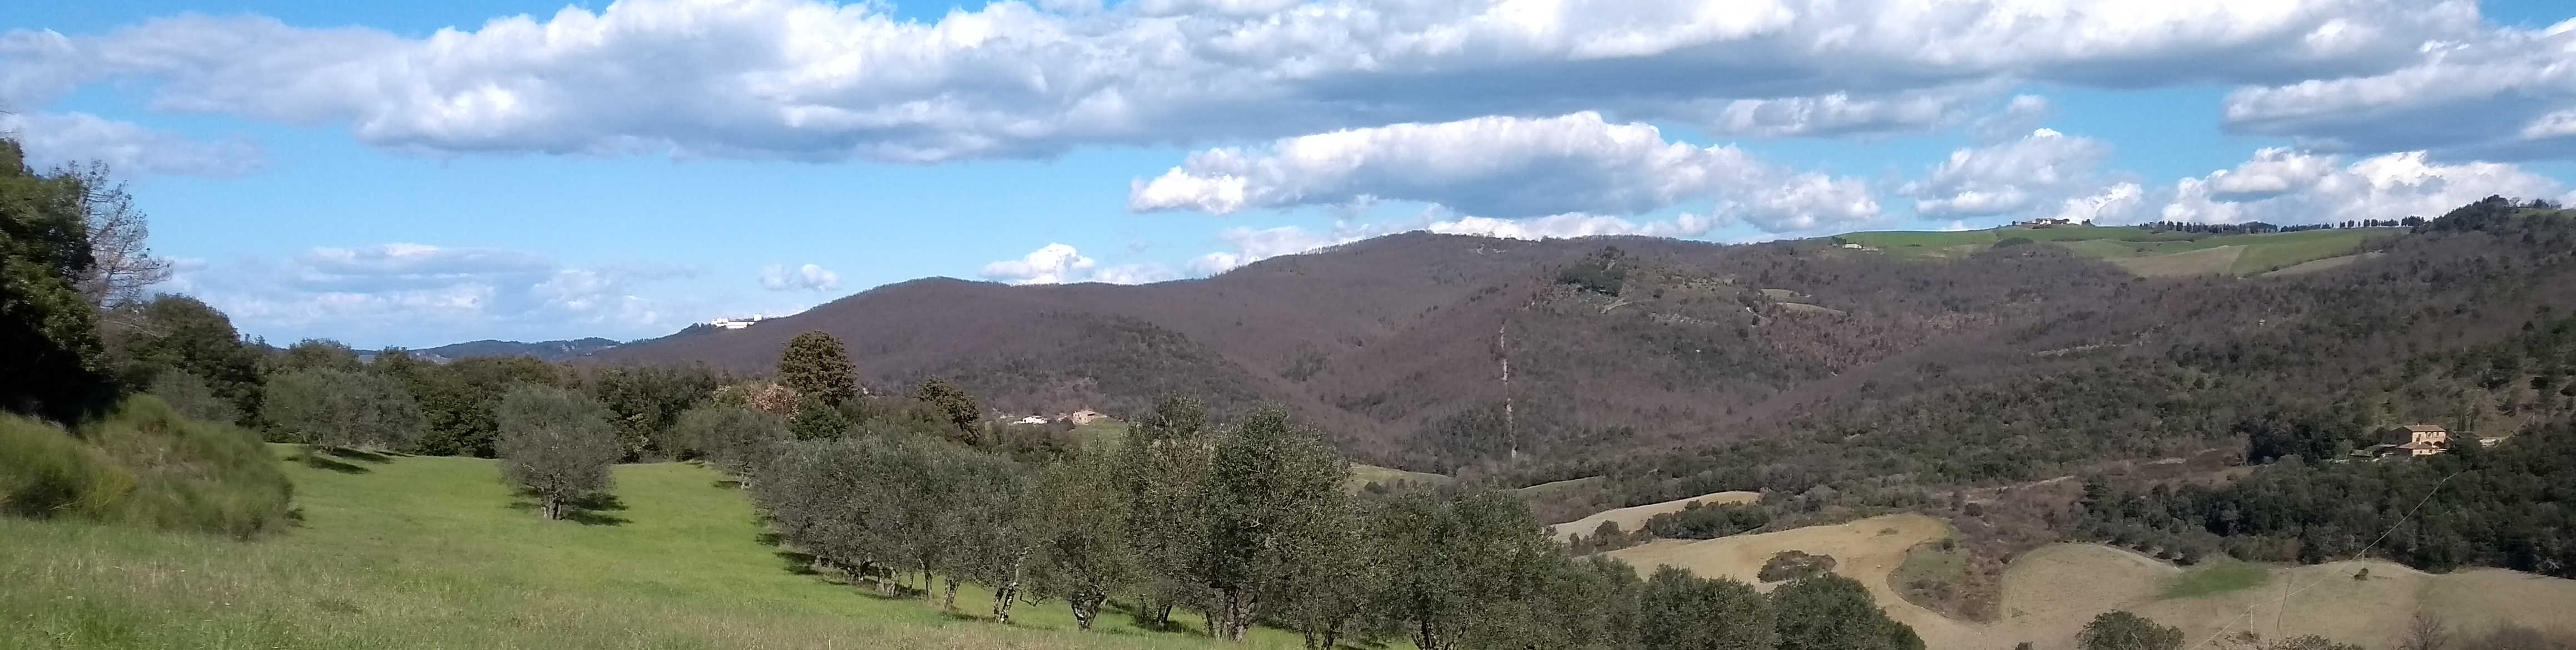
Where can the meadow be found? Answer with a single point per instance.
(2150, 253)
(435, 552)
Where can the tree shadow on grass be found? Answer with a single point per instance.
(318, 461)
(379, 458)
(592, 510)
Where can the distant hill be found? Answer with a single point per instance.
(545, 350)
(1437, 352)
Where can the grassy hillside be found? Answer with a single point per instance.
(433, 553)
(2049, 594)
(2151, 253)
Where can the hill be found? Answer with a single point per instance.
(542, 350)
(1550, 360)
(425, 552)
(2050, 593)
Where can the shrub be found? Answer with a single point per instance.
(45, 473)
(1795, 565)
(192, 474)
(145, 464)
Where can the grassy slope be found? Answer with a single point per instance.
(2217, 577)
(2261, 253)
(431, 553)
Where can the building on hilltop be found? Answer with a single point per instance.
(1085, 416)
(2413, 440)
(737, 323)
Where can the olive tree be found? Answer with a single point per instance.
(331, 408)
(555, 443)
(1078, 522)
(731, 438)
(1272, 488)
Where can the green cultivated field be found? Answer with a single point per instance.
(2217, 577)
(432, 553)
(2150, 253)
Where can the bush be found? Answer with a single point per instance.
(191, 474)
(45, 473)
(1795, 565)
(143, 464)
(1696, 521)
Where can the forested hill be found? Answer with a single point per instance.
(541, 350)
(1437, 352)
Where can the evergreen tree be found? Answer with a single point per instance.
(817, 367)
(2121, 630)
(953, 403)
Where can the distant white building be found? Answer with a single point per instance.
(1034, 419)
(737, 323)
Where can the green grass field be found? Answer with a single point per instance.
(2217, 577)
(2151, 253)
(436, 553)
(1363, 475)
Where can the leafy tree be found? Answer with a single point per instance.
(190, 397)
(1450, 564)
(183, 334)
(1079, 522)
(1332, 577)
(731, 438)
(459, 397)
(317, 353)
(1682, 611)
(953, 402)
(330, 408)
(555, 443)
(646, 402)
(1162, 467)
(1271, 488)
(817, 367)
(817, 421)
(1832, 612)
(48, 328)
(982, 523)
(2121, 630)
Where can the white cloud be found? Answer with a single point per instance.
(424, 294)
(2389, 186)
(1252, 245)
(803, 79)
(2505, 95)
(809, 277)
(67, 138)
(1574, 225)
(2117, 204)
(1505, 167)
(1062, 264)
(2009, 177)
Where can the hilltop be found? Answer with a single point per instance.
(1435, 353)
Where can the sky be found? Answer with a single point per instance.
(414, 174)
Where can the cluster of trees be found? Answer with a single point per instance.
(1249, 523)
(2258, 227)
(1708, 521)
(2474, 506)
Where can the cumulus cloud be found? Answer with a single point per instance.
(1062, 264)
(2009, 177)
(1505, 167)
(809, 277)
(419, 293)
(2506, 95)
(64, 138)
(1250, 245)
(2277, 186)
(811, 80)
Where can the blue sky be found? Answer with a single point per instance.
(392, 174)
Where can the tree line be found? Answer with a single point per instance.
(1245, 523)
